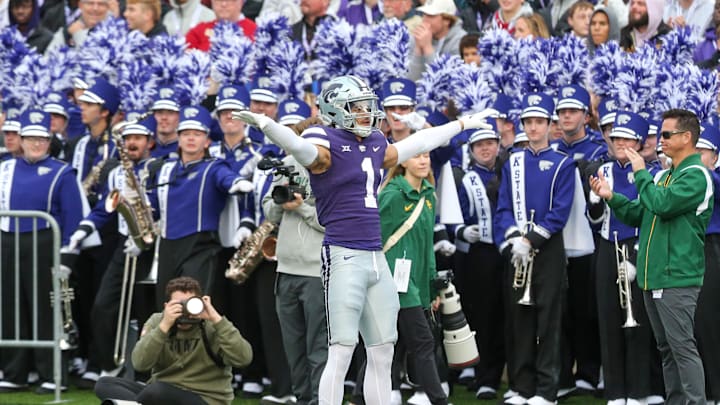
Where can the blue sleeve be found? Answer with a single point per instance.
(716, 183)
(223, 175)
(469, 215)
(99, 215)
(563, 194)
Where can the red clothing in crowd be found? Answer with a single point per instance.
(199, 36)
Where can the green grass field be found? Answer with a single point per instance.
(74, 396)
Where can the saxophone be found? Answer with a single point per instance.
(94, 176)
(260, 245)
(131, 203)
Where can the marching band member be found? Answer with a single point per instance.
(480, 266)
(166, 111)
(344, 161)
(534, 204)
(39, 182)
(11, 134)
(626, 353)
(189, 194)
(138, 141)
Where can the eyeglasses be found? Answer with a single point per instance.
(669, 134)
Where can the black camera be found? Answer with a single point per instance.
(192, 306)
(458, 339)
(282, 194)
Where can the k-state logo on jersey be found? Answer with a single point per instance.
(545, 165)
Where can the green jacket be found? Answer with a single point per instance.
(397, 202)
(181, 359)
(672, 215)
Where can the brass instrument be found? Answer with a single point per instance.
(623, 282)
(151, 278)
(131, 203)
(260, 245)
(523, 272)
(123, 322)
(69, 339)
(94, 176)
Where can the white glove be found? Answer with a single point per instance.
(631, 271)
(131, 249)
(444, 247)
(240, 235)
(478, 120)
(413, 120)
(76, 238)
(521, 252)
(241, 186)
(471, 233)
(257, 120)
(594, 198)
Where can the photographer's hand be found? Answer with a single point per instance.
(209, 312)
(294, 204)
(173, 310)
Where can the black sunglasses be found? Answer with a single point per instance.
(669, 134)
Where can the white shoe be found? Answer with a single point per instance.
(272, 400)
(395, 397)
(584, 385)
(111, 373)
(91, 376)
(446, 388)
(467, 375)
(620, 401)
(266, 381)
(538, 400)
(419, 398)
(632, 401)
(485, 392)
(515, 400)
(510, 393)
(655, 399)
(33, 377)
(252, 388)
(563, 392)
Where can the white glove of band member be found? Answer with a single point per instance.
(131, 249)
(444, 247)
(471, 233)
(594, 198)
(257, 120)
(631, 271)
(478, 120)
(241, 186)
(76, 238)
(521, 251)
(240, 235)
(413, 120)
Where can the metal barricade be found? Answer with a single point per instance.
(16, 341)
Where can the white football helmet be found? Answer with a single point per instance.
(349, 103)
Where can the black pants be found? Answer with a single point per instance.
(260, 326)
(18, 362)
(157, 393)
(626, 352)
(707, 318)
(580, 341)
(193, 256)
(482, 302)
(104, 314)
(86, 279)
(536, 329)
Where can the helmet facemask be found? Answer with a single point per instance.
(361, 116)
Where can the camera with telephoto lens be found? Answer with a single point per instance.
(282, 194)
(192, 306)
(458, 340)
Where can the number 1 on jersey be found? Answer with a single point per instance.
(367, 167)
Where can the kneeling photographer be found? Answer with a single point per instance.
(188, 348)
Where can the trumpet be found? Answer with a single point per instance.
(69, 339)
(623, 282)
(523, 271)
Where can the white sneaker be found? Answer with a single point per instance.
(252, 388)
(33, 377)
(266, 382)
(584, 385)
(272, 400)
(395, 397)
(515, 400)
(563, 392)
(485, 392)
(446, 388)
(510, 393)
(419, 398)
(467, 375)
(538, 400)
(632, 401)
(655, 399)
(111, 373)
(620, 401)
(89, 375)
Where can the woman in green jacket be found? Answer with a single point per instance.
(407, 186)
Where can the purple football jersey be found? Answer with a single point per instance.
(346, 194)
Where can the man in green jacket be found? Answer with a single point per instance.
(190, 356)
(672, 212)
